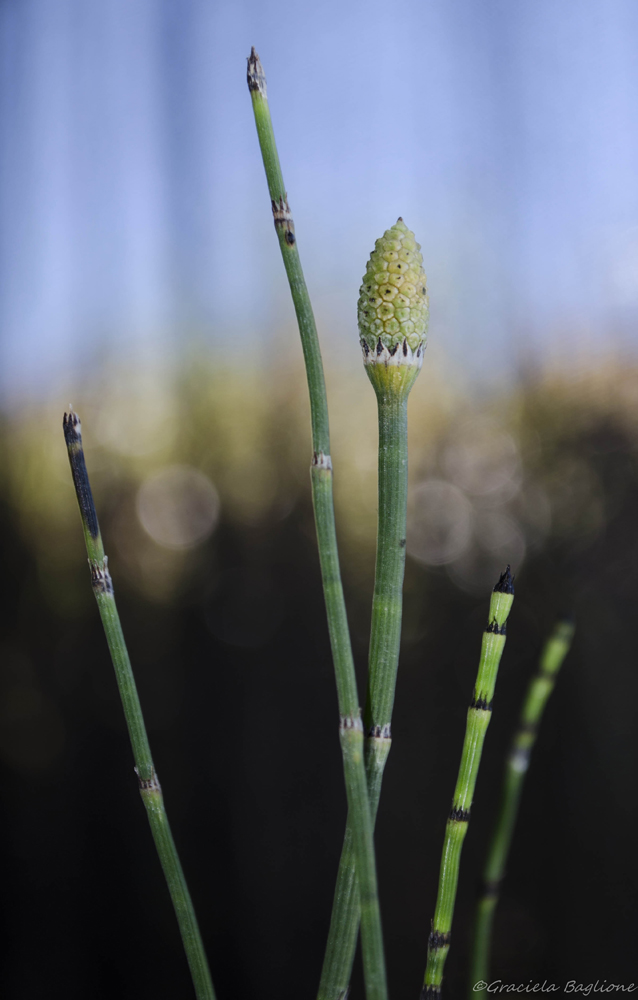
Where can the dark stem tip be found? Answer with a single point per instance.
(72, 428)
(505, 584)
(255, 75)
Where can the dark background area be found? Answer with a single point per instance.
(236, 682)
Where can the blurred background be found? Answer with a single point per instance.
(140, 280)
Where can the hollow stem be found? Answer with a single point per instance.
(148, 781)
(478, 719)
(351, 729)
(536, 697)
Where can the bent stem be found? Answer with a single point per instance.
(536, 697)
(478, 719)
(148, 781)
(351, 729)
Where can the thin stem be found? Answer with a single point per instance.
(387, 603)
(385, 638)
(478, 719)
(536, 697)
(345, 917)
(148, 781)
(351, 729)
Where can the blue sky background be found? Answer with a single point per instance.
(134, 212)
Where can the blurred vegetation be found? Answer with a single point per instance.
(200, 477)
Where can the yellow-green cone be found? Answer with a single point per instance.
(393, 301)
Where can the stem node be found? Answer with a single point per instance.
(148, 784)
(146, 776)
(321, 461)
(100, 577)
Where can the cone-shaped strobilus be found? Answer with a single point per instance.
(393, 317)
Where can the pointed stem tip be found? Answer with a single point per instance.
(505, 583)
(255, 75)
(72, 428)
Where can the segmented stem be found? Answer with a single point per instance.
(536, 697)
(148, 781)
(351, 729)
(478, 719)
(392, 387)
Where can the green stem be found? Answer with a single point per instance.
(537, 695)
(345, 917)
(148, 781)
(478, 719)
(392, 389)
(351, 729)
(387, 603)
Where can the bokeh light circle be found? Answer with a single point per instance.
(178, 507)
(483, 460)
(440, 526)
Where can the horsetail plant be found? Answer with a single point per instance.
(478, 719)
(351, 727)
(147, 777)
(540, 688)
(393, 317)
